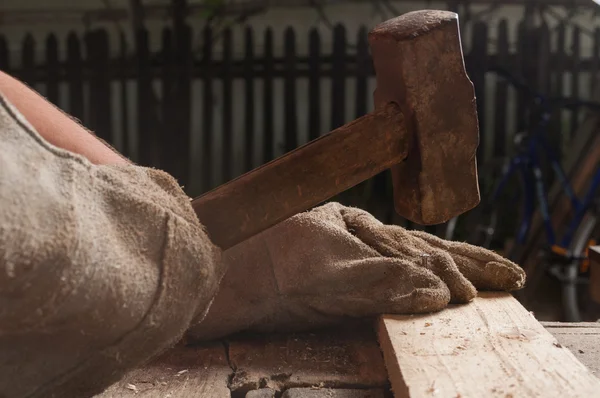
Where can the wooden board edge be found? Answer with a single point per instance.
(399, 386)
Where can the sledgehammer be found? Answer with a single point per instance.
(424, 128)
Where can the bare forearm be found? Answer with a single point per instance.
(54, 126)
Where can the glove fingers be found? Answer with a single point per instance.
(442, 264)
(395, 241)
(484, 268)
(400, 288)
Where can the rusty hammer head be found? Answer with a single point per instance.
(419, 65)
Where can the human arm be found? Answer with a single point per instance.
(55, 126)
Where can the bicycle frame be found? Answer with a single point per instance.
(527, 165)
(580, 210)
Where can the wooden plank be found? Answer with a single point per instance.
(289, 91)
(492, 347)
(343, 357)
(338, 78)
(582, 339)
(314, 85)
(180, 373)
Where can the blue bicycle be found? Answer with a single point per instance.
(500, 216)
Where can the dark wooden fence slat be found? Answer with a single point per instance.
(178, 150)
(501, 95)
(314, 84)
(73, 69)
(544, 79)
(207, 111)
(268, 143)
(27, 74)
(291, 121)
(544, 86)
(52, 68)
(4, 58)
(100, 109)
(227, 159)
(363, 61)
(575, 56)
(559, 66)
(525, 45)
(249, 71)
(530, 46)
(595, 64)
(477, 69)
(126, 141)
(338, 79)
(179, 144)
(148, 144)
(167, 102)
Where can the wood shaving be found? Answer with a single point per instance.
(132, 387)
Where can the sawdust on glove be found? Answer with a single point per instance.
(336, 262)
(101, 267)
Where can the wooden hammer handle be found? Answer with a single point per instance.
(303, 178)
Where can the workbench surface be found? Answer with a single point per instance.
(342, 362)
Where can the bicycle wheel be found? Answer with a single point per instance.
(572, 294)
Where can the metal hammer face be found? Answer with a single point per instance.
(419, 65)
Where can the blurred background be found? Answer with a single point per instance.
(209, 89)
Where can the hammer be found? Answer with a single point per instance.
(424, 128)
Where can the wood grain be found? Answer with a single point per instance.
(492, 347)
(180, 373)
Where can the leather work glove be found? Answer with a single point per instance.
(336, 262)
(101, 267)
